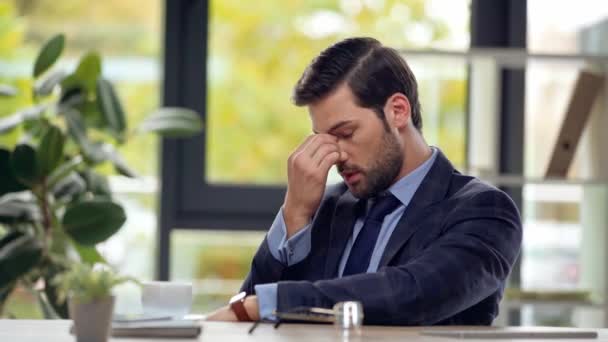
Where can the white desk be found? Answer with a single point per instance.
(57, 331)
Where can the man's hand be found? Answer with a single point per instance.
(307, 171)
(222, 314)
(226, 314)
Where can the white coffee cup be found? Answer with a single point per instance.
(166, 298)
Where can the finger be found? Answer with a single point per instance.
(314, 137)
(304, 143)
(312, 143)
(328, 161)
(299, 151)
(322, 151)
(319, 140)
(314, 146)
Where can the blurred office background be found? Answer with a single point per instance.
(237, 61)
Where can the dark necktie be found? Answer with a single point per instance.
(361, 253)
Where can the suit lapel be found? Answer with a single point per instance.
(341, 229)
(432, 190)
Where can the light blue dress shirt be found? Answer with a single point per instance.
(295, 249)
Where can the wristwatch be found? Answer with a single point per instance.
(238, 307)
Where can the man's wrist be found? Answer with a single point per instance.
(252, 307)
(294, 221)
(237, 306)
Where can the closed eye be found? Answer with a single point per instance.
(346, 135)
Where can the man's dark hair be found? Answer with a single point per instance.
(373, 73)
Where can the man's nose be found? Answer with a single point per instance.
(343, 157)
(344, 153)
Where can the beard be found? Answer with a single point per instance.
(381, 172)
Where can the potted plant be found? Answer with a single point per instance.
(56, 204)
(88, 290)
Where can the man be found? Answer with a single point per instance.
(407, 235)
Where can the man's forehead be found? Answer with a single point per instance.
(326, 119)
(334, 127)
(332, 111)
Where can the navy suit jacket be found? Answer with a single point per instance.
(445, 263)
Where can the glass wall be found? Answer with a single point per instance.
(564, 223)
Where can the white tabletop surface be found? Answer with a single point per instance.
(57, 331)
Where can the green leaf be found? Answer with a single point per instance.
(79, 90)
(89, 109)
(9, 237)
(86, 283)
(97, 184)
(49, 54)
(69, 186)
(88, 254)
(47, 86)
(64, 170)
(34, 129)
(17, 210)
(88, 71)
(50, 151)
(23, 161)
(91, 222)
(8, 180)
(14, 120)
(173, 122)
(18, 257)
(76, 127)
(52, 270)
(72, 92)
(118, 161)
(51, 267)
(7, 90)
(111, 109)
(92, 152)
(48, 310)
(10, 122)
(52, 295)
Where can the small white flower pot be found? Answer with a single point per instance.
(92, 320)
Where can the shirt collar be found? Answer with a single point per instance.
(405, 188)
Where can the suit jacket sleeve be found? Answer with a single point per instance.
(265, 268)
(468, 262)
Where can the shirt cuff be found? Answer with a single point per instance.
(292, 251)
(267, 300)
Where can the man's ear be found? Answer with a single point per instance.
(397, 110)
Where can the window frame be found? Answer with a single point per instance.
(187, 200)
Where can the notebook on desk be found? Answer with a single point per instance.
(514, 333)
(166, 328)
